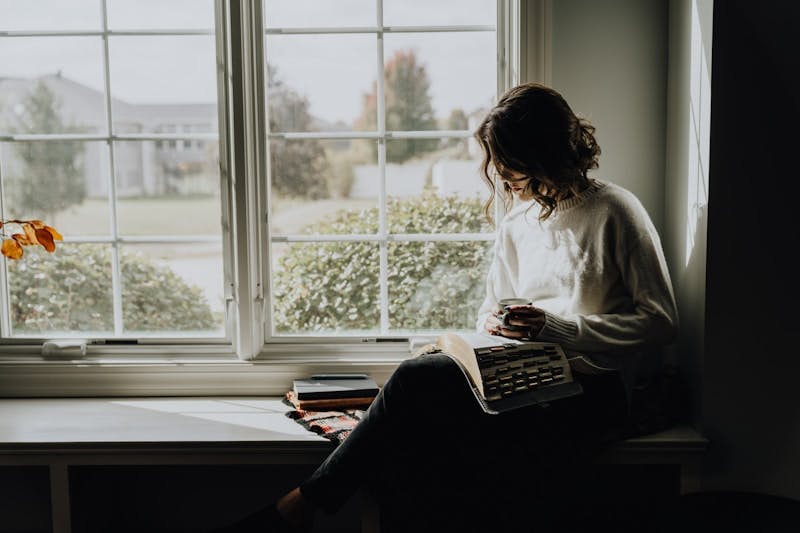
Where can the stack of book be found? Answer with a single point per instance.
(333, 392)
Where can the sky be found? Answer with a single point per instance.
(181, 68)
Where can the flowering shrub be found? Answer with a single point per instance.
(334, 286)
(72, 291)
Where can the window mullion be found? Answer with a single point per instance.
(225, 153)
(5, 294)
(116, 273)
(528, 24)
(380, 28)
(247, 174)
(382, 221)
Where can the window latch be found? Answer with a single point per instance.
(64, 348)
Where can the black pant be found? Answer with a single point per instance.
(437, 462)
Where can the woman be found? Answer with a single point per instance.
(582, 250)
(587, 256)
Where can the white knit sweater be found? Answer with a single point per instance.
(596, 267)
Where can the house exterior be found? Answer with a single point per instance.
(142, 167)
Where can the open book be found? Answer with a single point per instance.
(506, 374)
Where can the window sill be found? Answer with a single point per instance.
(178, 376)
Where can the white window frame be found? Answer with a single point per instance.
(508, 36)
(252, 363)
(177, 134)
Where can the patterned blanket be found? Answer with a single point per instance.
(333, 425)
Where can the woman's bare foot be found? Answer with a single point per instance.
(296, 510)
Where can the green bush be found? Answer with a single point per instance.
(71, 290)
(432, 285)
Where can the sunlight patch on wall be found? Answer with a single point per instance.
(700, 123)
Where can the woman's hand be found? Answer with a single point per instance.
(492, 324)
(517, 322)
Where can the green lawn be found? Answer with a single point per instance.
(187, 216)
(156, 216)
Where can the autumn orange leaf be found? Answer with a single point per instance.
(46, 240)
(22, 239)
(11, 249)
(34, 232)
(30, 232)
(56, 235)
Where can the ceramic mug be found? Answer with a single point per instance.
(503, 315)
(505, 302)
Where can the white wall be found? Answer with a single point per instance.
(609, 60)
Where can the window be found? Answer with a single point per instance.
(92, 95)
(247, 174)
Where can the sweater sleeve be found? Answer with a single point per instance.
(650, 318)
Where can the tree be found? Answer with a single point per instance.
(408, 106)
(457, 121)
(51, 175)
(298, 167)
(334, 286)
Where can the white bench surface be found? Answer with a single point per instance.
(83, 423)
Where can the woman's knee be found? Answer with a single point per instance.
(431, 377)
(431, 368)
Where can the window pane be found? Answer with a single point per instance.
(172, 288)
(436, 285)
(319, 13)
(64, 183)
(439, 13)
(327, 287)
(51, 85)
(318, 82)
(429, 76)
(160, 14)
(64, 293)
(48, 15)
(324, 187)
(435, 187)
(163, 84)
(168, 187)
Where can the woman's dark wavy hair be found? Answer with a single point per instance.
(532, 130)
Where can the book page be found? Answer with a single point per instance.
(458, 347)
